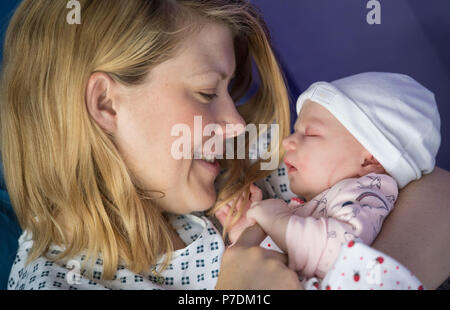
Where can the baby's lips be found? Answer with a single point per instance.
(287, 163)
(289, 166)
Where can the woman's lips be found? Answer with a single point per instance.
(214, 167)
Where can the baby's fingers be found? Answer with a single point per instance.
(265, 212)
(255, 193)
(222, 214)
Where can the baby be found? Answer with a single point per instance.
(356, 141)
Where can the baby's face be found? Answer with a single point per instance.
(321, 152)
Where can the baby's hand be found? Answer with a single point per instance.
(273, 216)
(244, 222)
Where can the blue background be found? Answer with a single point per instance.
(326, 40)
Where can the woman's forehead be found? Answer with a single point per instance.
(208, 50)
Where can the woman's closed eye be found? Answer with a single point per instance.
(207, 96)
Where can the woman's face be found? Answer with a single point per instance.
(194, 83)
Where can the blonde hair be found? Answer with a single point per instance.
(61, 169)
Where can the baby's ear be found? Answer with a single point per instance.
(370, 165)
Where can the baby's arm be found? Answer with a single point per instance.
(304, 239)
(354, 208)
(273, 216)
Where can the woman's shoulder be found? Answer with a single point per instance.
(44, 273)
(194, 267)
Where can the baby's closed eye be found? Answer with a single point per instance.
(312, 132)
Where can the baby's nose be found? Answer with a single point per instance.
(288, 143)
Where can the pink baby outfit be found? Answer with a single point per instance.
(353, 208)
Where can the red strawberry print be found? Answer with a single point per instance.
(380, 259)
(316, 285)
(356, 276)
(328, 288)
(298, 200)
(420, 288)
(351, 243)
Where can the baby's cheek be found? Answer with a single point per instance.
(318, 171)
(303, 163)
(337, 171)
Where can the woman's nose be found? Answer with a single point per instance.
(232, 123)
(234, 127)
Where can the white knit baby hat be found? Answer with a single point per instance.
(394, 117)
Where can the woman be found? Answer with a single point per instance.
(87, 135)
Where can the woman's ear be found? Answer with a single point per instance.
(370, 165)
(100, 102)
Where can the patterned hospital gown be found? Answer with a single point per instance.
(194, 267)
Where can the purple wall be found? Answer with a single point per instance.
(327, 39)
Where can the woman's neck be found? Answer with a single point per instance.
(176, 240)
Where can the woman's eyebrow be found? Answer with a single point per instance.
(222, 74)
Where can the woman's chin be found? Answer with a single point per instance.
(202, 189)
(208, 199)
